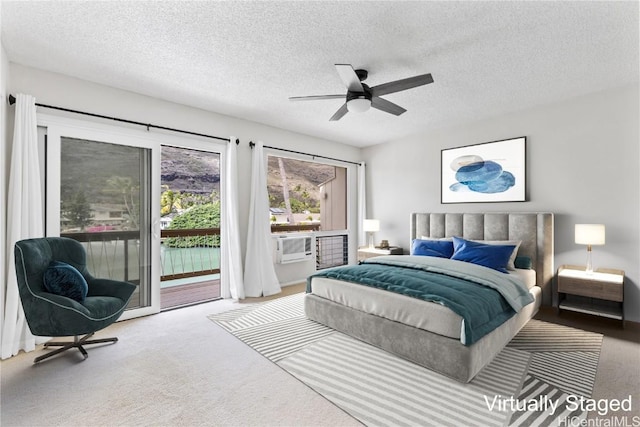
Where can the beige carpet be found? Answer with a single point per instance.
(170, 369)
(177, 369)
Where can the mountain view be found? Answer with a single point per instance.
(303, 180)
(190, 171)
(196, 172)
(103, 176)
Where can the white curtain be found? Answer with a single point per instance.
(25, 219)
(231, 258)
(259, 273)
(362, 204)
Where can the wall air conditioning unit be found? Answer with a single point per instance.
(293, 249)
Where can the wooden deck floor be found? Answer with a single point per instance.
(177, 296)
(193, 293)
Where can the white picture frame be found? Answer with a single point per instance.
(487, 172)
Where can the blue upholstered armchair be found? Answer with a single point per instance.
(59, 296)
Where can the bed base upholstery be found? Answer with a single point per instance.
(449, 356)
(436, 352)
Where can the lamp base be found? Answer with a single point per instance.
(589, 268)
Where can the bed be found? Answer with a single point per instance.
(429, 333)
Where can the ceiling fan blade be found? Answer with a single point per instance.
(386, 106)
(349, 77)
(341, 112)
(400, 85)
(315, 97)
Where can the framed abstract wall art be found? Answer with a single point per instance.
(487, 172)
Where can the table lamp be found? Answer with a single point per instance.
(371, 226)
(589, 234)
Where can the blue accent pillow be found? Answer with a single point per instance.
(63, 279)
(436, 248)
(492, 256)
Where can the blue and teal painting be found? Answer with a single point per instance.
(481, 176)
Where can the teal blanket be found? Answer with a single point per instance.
(483, 297)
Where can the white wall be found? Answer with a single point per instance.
(64, 91)
(4, 160)
(583, 161)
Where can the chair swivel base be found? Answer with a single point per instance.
(76, 343)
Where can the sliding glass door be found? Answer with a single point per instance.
(102, 190)
(146, 207)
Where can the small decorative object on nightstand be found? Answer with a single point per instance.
(600, 292)
(367, 252)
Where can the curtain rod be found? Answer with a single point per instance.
(252, 144)
(12, 100)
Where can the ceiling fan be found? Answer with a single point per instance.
(360, 97)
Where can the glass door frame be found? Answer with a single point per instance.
(59, 126)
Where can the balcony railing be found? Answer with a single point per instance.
(185, 253)
(115, 254)
(111, 254)
(286, 228)
(190, 253)
(332, 251)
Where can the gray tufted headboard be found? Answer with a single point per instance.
(535, 230)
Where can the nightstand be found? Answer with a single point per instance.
(600, 293)
(366, 252)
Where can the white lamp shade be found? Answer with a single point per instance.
(590, 234)
(358, 105)
(371, 225)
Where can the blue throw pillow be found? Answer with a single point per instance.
(63, 279)
(492, 256)
(437, 248)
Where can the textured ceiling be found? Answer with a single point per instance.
(245, 59)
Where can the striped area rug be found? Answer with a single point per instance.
(261, 314)
(563, 363)
(378, 388)
(539, 336)
(534, 389)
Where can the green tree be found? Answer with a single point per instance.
(129, 193)
(298, 206)
(169, 201)
(201, 216)
(77, 210)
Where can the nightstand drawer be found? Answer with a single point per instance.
(599, 293)
(590, 288)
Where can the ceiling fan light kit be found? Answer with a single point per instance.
(360, 97)
(359, 104)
